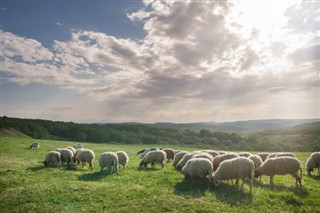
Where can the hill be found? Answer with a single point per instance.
(11, 133)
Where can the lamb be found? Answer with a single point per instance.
(153, 157)
(85, 155)
(313, 162)
(235, 168)
(109, 160)
(263, 155)
(218, 159)
(66, 155)
(52, 158)
(35, 145)
(198, 167)
(244, 154)
(280, 166)
(170, 153)
(123, 158)
(178, 157)
(145, 151)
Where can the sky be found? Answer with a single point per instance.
(160, 61)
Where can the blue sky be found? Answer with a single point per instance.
(148, 61)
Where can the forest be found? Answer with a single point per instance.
(304, 137)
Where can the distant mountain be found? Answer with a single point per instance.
(236, 126)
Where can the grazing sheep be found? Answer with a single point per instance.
(153, 157)
(222, 152)
(178, 157)
(235, 168)
(109, 160)
(198, 167)
(35, 145)
(244, 154)
(78, 146)
(313, 162)
(66, 155)
(85, 156)
(280, 166)
(218, 159)
(184, 160)
(203, 155)
(53, 158)
(145, 151)
(211, 152)
(263, 155)
(285, 154)
(72, 149)
(256, 160)
(170, 153)
(123, 158)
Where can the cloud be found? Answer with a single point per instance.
(59, 23)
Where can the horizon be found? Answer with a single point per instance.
(160, 61)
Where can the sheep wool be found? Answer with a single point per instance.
(256, 160)
(183, 161)
(123, 158)
(235, 168)
(109, 160)
(218, 159)
(280, 166)
(66, 155)
(244, 154)
(53, 158)
(178, 157)
(198, 168)
(153, 157)
(203, 155)
(170, 153)
(85, 156)
(313, 162)
(263, 155)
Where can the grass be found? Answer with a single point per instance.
(27, 186)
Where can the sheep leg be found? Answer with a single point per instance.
(101, 169)
(90, 166)
(271, 180)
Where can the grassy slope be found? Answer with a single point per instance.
(27, 186)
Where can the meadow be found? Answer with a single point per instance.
(27, 186)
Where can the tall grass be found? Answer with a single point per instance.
(27, 186)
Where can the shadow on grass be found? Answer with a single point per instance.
(148, 169)
(191, 188)
(297, 190)
(232, 195)
(314, 177)
(36, 168)
(94, 176)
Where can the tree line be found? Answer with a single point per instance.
(300, 138)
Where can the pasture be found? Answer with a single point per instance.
(27, 186)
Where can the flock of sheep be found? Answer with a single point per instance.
(215, 165)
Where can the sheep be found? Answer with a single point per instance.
(285, 154)
(85, 155)
(123, 158)
(280, 166)
(52, 158)
(72, 149)
(218, 159)
(235, 168)
(145, 151)
(198, 167)
(35, 145)
(66, 155)
(256, 160)
(170, 153)
(313, 162)
(211, 152)
(178, 157)
(153, 157)
(78, 146)
(109, 160)
(203, 155)
(244, 154)
(263, 155)
(184, 160)
(222, 152)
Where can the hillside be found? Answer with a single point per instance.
(305, 137)
(11, 133)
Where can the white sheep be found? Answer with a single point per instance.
(220, 158)
(153, 157)
(72, 149)
(203, 155)
(313, 162)
(123, 158)
(280, 166)
(235, 168)
(66, 156)
(285, 154)
(145, 151)
(256, 160)
(35, 145)
(244, 154)
(78, 146)
(263, 155)
(211, 152)
(170, 153)
(178, 157)
(53, 158)
(184, 160)
(109, 160)
(198, 168)
(85, 156)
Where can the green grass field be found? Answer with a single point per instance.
(27, 186)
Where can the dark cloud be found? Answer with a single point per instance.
(306, 54)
